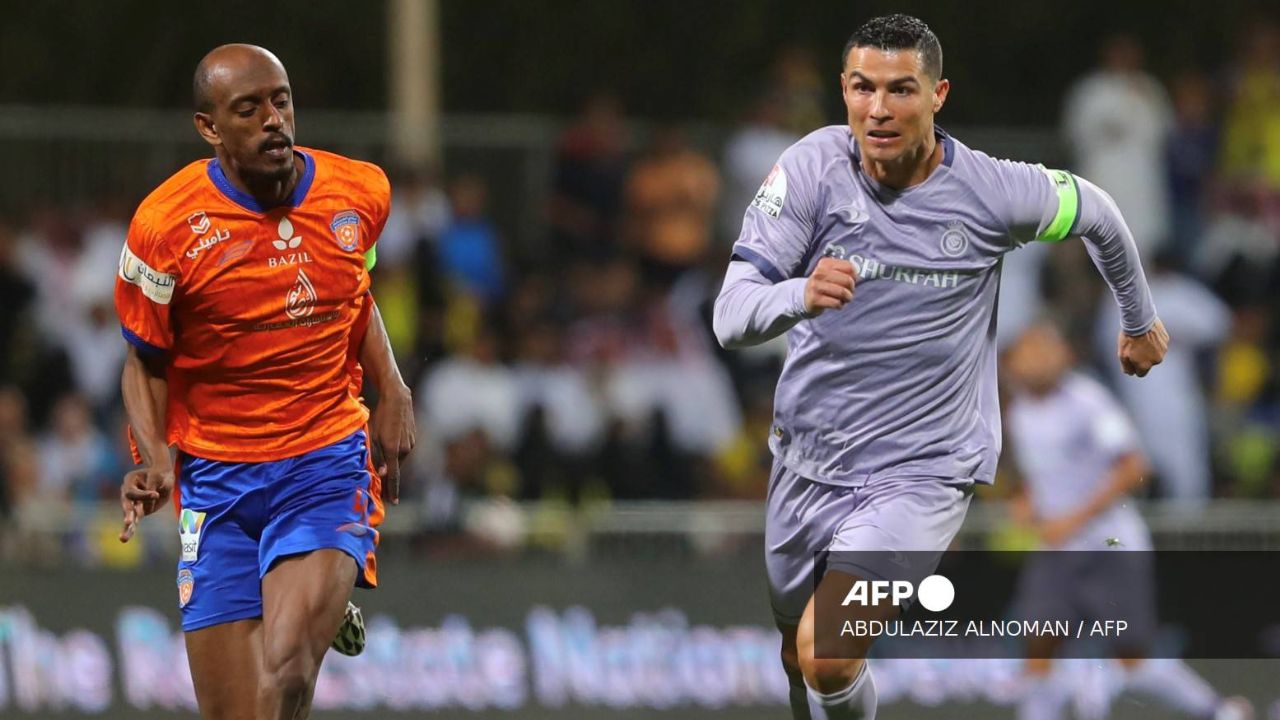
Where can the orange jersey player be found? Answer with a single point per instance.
(243, 292)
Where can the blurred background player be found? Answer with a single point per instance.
(1080, 461)
(886, 414)
(243, 291)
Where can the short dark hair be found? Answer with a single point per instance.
(898, 32)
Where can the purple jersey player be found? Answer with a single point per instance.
(885, 414)
(1079, 458)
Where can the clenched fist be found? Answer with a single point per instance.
(830, 286)
(1138, 354)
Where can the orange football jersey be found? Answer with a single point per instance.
(259, 311)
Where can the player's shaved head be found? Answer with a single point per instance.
(222, 65)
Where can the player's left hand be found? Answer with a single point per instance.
(142, 492)
(1056, 531)
(1138, 354)
(394, 434)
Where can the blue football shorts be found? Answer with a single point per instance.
(236, 520)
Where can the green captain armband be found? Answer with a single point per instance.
(1068, 206)
(371, 258)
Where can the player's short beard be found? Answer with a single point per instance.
(272, 175)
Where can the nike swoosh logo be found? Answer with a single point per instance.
(851, 214)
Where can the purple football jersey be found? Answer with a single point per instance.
(902, 381)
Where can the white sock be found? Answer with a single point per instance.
(856, 702)
(1174, 685)
(1043, 698)
(799, 697)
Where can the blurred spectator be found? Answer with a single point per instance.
(77, 462)
(17, 293)
(750, 153)
(802, 90)
(14, 489)
(49, 253)
(671, 198)
(1190, 151)
(1246, 420)
(742, 466)
(419, 214)
(1251, 135)
(561, 422)
(1117, 121)
(469, 391)
(1239, 253)
(586, 191)
(1168, 406)
(407, 282)
(470, 252)
(1021, 291)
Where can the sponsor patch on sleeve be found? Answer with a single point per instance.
(773, 193)
(156, 286)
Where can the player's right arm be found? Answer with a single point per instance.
(146, 391)
(751, 309)
(146, 284)
(764, 292)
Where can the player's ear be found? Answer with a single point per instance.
(206, 128)
(940, 90)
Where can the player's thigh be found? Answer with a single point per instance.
(899, 529)
(800, 518)
(225, 662)
(904, 515)
(303, 600)
(325, 500)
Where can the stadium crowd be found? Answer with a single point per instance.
(583, 368)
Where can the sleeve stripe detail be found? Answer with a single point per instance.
(1068, 206)
(765, 267)
(371, 257)
(143, 346)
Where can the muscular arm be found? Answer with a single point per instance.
(1143, 340)
(1111, 246)
(393, 427)
(146, 392)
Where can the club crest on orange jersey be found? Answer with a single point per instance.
(186, 586)
(346, 229)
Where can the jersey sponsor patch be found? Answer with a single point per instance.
(156, 286)
(190, 523)
(199, 222)
(300, 301)
(287, 241)
(773, 193)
